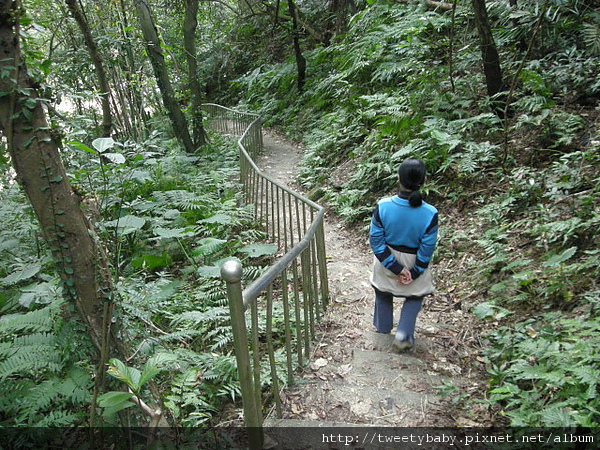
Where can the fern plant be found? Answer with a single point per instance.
(43, 381)
(546, 361)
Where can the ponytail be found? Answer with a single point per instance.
(411, 175)
(415, 199)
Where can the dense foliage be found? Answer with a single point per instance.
(384, 80)
(168, 220)
(517, 195)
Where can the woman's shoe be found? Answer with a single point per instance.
(403, 342)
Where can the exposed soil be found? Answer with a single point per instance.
(447, 348)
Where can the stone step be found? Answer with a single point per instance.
(286, 434)
(373, 368)
(307, 423)
(364, 404)
(363, 387)
(310, 434)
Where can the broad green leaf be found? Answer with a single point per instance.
(115, 158)
(172, 214)
(23, 273)
(134, 375)
(151, 262)
(40, 293)
(214, 270)
(489, 310)
(223, 219)
(440, 136)
(141, 176)
(128, 375)
(9, 244)
(115, 401)
(256, 250)
(209, 271)
(147, 375)
(103, 144)
(128, 222)
(118, 370)
(114, 398)
(170, 233)
(84, 148)
(557, 259)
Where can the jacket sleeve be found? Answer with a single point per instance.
(426, 249)
(379, 245)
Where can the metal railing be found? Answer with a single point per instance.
(297, 282)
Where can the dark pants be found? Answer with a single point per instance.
(383, 317)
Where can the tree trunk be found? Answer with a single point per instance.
(104, 88)
(491, 59)
(190, 23)
(161, 74)
(135, 104)
(37, 163)
(300, 60)
(337, 22)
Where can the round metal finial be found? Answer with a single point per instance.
(231, 271)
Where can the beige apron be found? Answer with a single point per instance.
(387, 281)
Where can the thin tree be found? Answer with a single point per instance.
(190, 24)
(337, 18)
(104, 87)
(134, 100)
(300, 60)
(157, 59)
(491, 59)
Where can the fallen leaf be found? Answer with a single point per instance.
(344, 370)
(318, 364)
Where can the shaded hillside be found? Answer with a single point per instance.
(517, 196)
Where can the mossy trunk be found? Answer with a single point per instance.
(36, 159)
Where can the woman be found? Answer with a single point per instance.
(403, 236)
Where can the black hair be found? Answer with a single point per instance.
(411, 174)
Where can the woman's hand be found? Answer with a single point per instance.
(405, 277)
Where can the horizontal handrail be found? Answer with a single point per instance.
(257, 286)
(297, 280)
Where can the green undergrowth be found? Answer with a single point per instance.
(168, 220)
(517, 196)
(539, 258)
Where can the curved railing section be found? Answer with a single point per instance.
(295, 284)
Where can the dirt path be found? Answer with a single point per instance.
(440, 356)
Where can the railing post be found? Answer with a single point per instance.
(322, 262)
(231, 272)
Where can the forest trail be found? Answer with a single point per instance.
(355, 377)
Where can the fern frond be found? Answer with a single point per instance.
(59, 418)
(591, 37)
(38, 320)
(28, 340)
(209, 246)
(185, 200)
(212, 315)
(31, 360)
